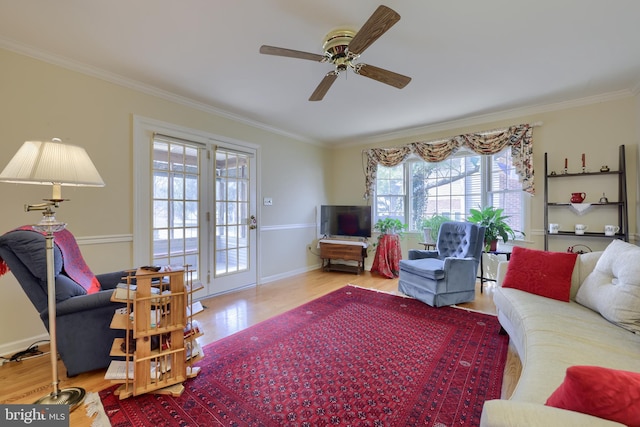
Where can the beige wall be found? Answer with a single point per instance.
(41, 101)
(596, 129)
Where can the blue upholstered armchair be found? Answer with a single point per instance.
(447, 275)
(84, 335)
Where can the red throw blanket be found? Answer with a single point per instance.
(74, 265)
(388, 255)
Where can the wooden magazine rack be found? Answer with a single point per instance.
(158, 315)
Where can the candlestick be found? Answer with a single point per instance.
(582, 159)
(565, 163)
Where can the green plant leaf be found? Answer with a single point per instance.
(390, 225)
(434, 224)
(494, 222)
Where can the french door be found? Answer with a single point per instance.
(234, 227)
(196, 205)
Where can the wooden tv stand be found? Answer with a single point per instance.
(345, 250)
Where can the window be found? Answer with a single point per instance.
(417, 189)
(390, 193)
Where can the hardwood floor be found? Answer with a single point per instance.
(26, 381)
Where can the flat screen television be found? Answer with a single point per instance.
(352, 221)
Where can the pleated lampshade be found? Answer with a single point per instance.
(52, 163)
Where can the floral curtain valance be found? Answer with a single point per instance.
(485, 143)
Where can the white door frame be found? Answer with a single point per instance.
(143, 131)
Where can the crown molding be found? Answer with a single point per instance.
(117, 79)
(496, 116)
(147, 89)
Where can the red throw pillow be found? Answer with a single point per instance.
(543, 273)
(605, 393)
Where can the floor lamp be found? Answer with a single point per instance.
(52, 163)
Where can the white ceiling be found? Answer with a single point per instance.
(467, 58)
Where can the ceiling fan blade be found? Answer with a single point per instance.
(324, 86)
(382, 75)
(280, 51)
(377, 24)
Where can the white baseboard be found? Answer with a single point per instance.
(288, 274)
(10, 348)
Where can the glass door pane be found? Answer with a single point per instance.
(232, 237)
(176, 204)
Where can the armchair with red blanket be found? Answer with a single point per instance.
(83, 301)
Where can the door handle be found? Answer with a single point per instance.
(253, 222)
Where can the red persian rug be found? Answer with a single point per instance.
(354, 357)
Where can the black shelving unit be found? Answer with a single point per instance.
(620, 204)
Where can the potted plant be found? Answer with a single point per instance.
(431, 227)
(389, 226)
(495, 226)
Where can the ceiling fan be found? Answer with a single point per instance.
(342, 47)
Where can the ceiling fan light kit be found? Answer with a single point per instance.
(336, 45)
(342, 47)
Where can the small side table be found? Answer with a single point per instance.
(388, 255)
(427, 246)
(482, 278)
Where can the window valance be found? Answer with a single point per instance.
(518, 137)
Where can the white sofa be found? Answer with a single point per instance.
(550, 336)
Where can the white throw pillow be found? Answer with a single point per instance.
(613, 287)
